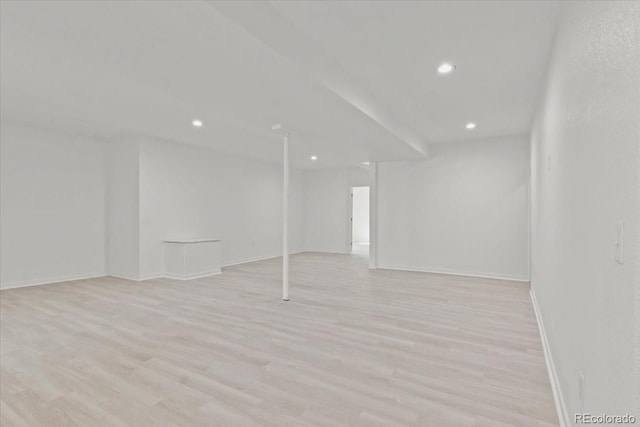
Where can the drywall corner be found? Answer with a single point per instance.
(123, 206)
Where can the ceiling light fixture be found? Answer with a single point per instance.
(470, 125)
(366, 163)
(197, 123)
(446, 68)
(314, 158)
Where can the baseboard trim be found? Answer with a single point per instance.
(328, 252)
(164, 276)
(256, 259)
(455, 273)
(121, 276)
(199, 276)
(151, 277)
(26, 284)
(563, 415)
(160, 275)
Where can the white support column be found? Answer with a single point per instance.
(285, 220)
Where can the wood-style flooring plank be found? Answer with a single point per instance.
(353, 347)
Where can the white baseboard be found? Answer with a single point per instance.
(163, 276)
(151, 276)
(326, 252)
(197, 276)
(58, 279)
(122, 276)
(456, 273)
(137, 278)
(563, 415)
(255, 259)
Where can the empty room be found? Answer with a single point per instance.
(319, 213)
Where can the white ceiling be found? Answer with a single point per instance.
(352, 81)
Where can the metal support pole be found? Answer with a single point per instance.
(285, 221)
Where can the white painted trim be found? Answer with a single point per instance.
(457, 273)
(25, 284)
(120, 276)
(151, 277)
(190, 241)
(311, 251)
(242, 261)
(255, 259)
(164, 276)
(136, 279)
(563, 415)
(198, 276)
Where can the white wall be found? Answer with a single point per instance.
(52, 206)
(327, 208)
(73, 207)
(192, 192)
(463, 210)
(585, 178)
(360, 215)
(123, 208)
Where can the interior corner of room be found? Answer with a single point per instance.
(446, 195)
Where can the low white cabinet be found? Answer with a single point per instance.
(191, 258)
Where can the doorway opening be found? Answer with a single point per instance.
(360, 221)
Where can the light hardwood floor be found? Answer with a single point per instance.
(352, 347)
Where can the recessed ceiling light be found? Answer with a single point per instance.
(470, 125)
(314, 158)
(365, 163)
(197, 123)
(446, 68)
